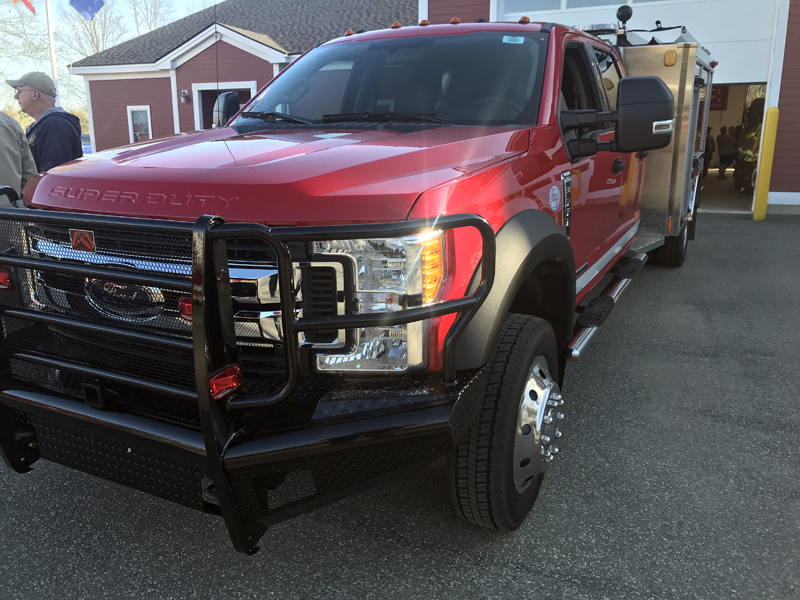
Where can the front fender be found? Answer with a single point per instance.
(528, 240)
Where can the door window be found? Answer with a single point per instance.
(609, 75)
(579, 89)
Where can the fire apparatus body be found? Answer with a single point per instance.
(376, 263)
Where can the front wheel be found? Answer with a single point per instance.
(497, 471)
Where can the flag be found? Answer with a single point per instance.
(87, 8)
(28, 5)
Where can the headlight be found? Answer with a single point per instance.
(391, 275)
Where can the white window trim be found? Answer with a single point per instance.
(90, 115)
(130, 120)
(192, 48)
(497, 8)
(222, 85)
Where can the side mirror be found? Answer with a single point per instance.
(644, 119)
(645, 114)
(225, 107)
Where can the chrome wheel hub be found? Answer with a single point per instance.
(538, 421)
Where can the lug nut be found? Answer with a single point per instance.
(547, 419)
(555, 396)
(545, 439)
(558, 434)
(552, 403)
(559, 416)
(546, 453)
(554, 449)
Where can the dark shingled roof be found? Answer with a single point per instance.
(296, 25)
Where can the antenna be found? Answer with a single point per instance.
(216, 53)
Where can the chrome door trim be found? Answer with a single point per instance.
(603, 261)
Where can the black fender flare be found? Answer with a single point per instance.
(523, 243)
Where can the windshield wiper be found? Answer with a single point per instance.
(273, 117)
(385, 117)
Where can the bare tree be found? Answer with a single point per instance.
(151, 14)
(25, 48)
(85, 38)
(24, 37)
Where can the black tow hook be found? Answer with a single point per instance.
(20, 449)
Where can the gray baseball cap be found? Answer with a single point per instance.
(36, 80)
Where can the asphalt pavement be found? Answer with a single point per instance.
(679, 476)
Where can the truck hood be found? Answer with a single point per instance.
(279, 177)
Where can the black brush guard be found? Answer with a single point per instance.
(115, 445)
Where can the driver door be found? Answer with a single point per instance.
(596, 181)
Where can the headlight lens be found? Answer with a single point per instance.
(391, 275)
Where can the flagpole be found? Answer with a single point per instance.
(53, 66)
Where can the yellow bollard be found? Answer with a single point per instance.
(767, 153)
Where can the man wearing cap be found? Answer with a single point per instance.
(16, 162)
(55, 135)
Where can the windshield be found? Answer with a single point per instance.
(477, 78)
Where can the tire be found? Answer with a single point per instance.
(692, 225)
(673, 253)
(486, 487)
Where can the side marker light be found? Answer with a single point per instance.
(185, 308)
(225, 382)
(5, 280)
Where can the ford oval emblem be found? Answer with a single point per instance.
(124, 301)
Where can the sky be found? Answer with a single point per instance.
(13, 66)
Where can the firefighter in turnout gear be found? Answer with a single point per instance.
(749, 145)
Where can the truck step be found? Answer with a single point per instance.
(596, 313)
(629, 269)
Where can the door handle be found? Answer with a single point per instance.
(619, 166)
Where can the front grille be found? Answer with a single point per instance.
(160, 407)
(321, 299)
(145, 309)
(163, 365)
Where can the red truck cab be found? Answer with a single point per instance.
(438, 198)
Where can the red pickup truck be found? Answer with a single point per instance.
(376, 263)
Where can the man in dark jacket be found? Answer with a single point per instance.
(55, 135)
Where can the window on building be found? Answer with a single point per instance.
(591, 3)
(521, 6)
(139, 125)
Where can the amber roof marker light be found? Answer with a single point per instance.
(524, 20)
(396, 25)
(455, 21)
(349, 32)
(424, 23)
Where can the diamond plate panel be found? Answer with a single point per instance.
(261, 492)
(164, 475)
